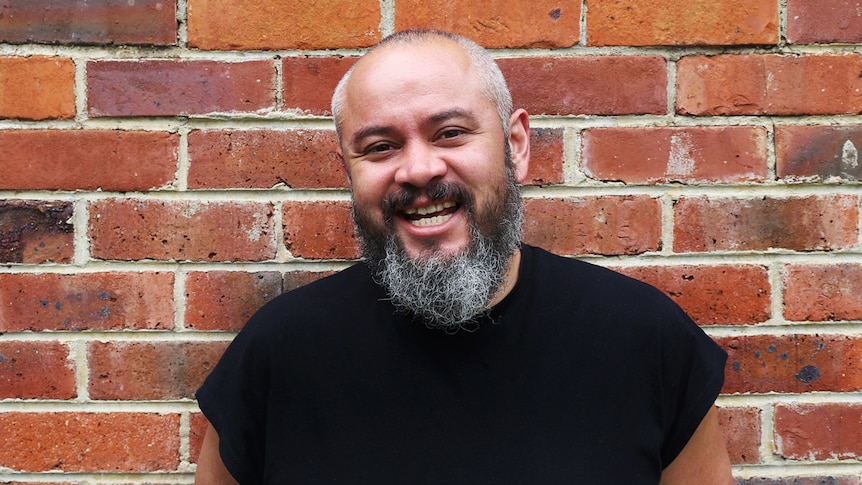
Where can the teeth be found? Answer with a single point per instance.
(429, 209)
(431, 221)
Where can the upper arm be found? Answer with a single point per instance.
(704, 459)
(211, 468)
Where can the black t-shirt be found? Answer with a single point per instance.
(580, 375)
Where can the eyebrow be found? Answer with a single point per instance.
(436, 118)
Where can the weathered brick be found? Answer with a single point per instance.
(197, 429)
(126, 229)
(261, 159)
(823, 292)
(89, 442)
(225, 300)
(818, 153)
(295, 279)
(768, 84)
(145, 371)
(35, 232)
(91, 22)
(308, 82)
(37, 87)
(645, 155)
(797, 223)
(824, 22)
(792, 363)
(36, 370)
(280, 24)
(734, 295)
(319, 230)
(824, 431)
(741, 428)
(102, 159)
(179, 87)
(670, 22)
(91, 301)
(583, 85)
(546, 157)
(819, 480)
(500, 24)
(598, 225)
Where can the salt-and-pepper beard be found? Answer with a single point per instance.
(447, 292)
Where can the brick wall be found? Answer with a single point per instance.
(166, 166)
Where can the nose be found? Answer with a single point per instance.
(420, 165)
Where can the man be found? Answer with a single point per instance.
(457, 354)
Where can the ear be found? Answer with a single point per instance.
(519, 143)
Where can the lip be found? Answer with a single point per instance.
(430, 220)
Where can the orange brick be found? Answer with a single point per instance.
(644, 155)
(792, 363)
(823, 292)
(670, 22)
(823, 22)
(107, 160)
(598, 85)
(225, 300)
(36, 370)
(741, 427)
(89, 442)
(283, 24)
(818, 153)
(184, 87)
(598, 225)
(261, 159)
(147, 371)
(823, 431)
(500, 24)
(308, 82)
(734, 295)
(92, 301)
(769, 84)
(37, 88)
(319, 230)
(35, 232)
(126, 229)
(546, 157)
(811, 223)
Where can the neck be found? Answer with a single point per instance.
(510, 278)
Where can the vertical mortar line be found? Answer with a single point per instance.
(776, 272)
(582, 22)
(387, 17)
(771, 159)
(180, 275)
(767, 434)
(279, 83)
(80, 88)
(782, 23)
(667, 223)
(281, 253)
(81, 234)
(182, 23)
(671, 85)
(185, 441)
(181, 177)
(573, 173)
(78, 350)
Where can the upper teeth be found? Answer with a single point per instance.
(431, 209)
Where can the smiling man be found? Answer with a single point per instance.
(457, 354)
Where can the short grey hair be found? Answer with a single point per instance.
(495, 88)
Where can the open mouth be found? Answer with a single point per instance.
(430, 215)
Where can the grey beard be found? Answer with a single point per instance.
(448, 292)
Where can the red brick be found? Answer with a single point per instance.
(735, 295)
(823, 292)
(36, 88)
(598, 85)
(260, 159)
(91, 301)
(599, 225)
(319, 230)
(308, 82)
(546, 157)
(283, 24)
(818, 153)
(769, 85)
(225, 300)
(107, 160)
(89, 442)
(126, 229)
(36, 370)
(670, 22)
(295, 279)
(91, 22)
(35, 232)
(500, 24)
(741, 428)
(792, 363)
(824, 431)
(146, 371)
(796, 223)
(830, 480)
(824, 22)
(661, 155)
(198, 425)
(179, 87)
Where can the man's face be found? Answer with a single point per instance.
(425, 148)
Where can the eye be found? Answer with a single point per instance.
(451, 133)
(381, 147)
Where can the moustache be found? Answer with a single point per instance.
(437, 191)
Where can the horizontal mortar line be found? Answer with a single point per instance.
(843, 329)
(98, 478)
(91, 406)
(752, 190)
(726, 258)
(149, 266)
(765, 400)
(276, 194)
(791, 469)
(126, 335)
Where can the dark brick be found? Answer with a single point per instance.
(35, 232)
(818, 152)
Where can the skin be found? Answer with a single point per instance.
(415, 114)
